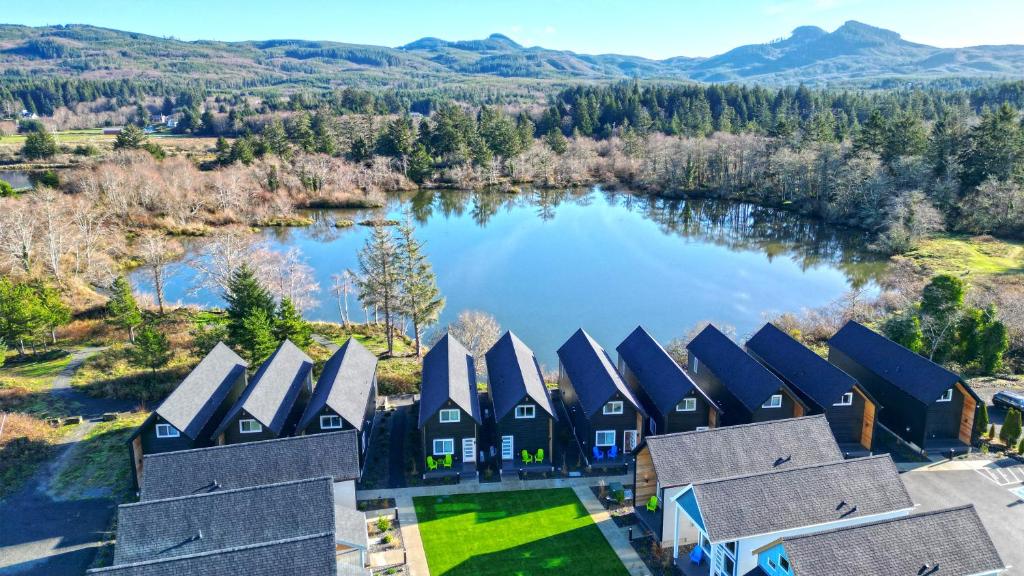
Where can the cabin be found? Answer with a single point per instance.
(666, 464)
(951, 542)
(270, 407)
(673, 402)
(929, 407)
(606, 417)
(186, 419)
(745, 390)
(345, 396)
(737, 516)
(848, 406)
(450, 416)
(523, 414)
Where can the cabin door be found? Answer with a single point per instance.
(629, 440)
(967, 418)
(506, 447)
(469, 450)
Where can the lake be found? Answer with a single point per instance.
(545, 263)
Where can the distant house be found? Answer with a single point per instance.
(950, 542)
(849, 407)
(925, 404)
(112, 130)
(187, 418)
(737, 516)
(273, 402)
(605, 415)
(667, 464)
(673, 402)
(345, 396)
(523, 412)
(449, 417)
(745, 390)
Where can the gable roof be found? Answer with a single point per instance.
(448, 374)
(191, 405)
(810, 374)
(158, 529)
(312, 555)
(345, 385)
(186, 472)
(907, 370)
(688, 457)
(953, 540)
(656, 372)
(593, 374)
(761, 504)
(513, 374)
(744, 378)
(272, 392)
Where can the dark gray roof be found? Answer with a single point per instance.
(742, 376)
(513, 374)
(306, 556)
(761, 504)
(656, 372)
(907, 370)
(170, 474)
(953, 541)
(271, 394)
(448, 374)
(344, 385)
(687, 457)
(810, 374)
(592, 373)
(191, 405)
(350, 526)
(158, 529)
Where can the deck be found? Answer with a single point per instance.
(462, 471)
(649, 521)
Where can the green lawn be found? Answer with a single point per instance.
(974, 255)
(513, 533)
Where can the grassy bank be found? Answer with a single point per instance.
(398, 374)
(99, 466)
(969, 255)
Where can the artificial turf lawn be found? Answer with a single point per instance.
(513, 533)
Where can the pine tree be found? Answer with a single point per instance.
(556, 141)
(245, 294)
(421, 165)
(995, 341)
(39, 145)
(1011, 429)
(151, 349)
(256, 340)
(131, 137)
(21, 313)
(54, 312)
(276, 139)
(905, 330)
(1020, 447)
(379, 281)
(122, 309)
(981, 421)
(421, 301)
(289, 325)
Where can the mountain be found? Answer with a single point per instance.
(855, 53)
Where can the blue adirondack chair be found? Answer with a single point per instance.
(697, 556)
(613, 452)
(598, 453)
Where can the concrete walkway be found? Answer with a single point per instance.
(415, 558)
(474, 487)
(618, 538)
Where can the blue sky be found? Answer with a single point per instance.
(653, 28)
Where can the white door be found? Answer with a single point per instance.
(506, 447)
(628, 440)
(469, 449)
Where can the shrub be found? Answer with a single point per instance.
(6, 190)
(383, 523)
(387, 539)
(1011, 430)
(981, 423)
(86, 150)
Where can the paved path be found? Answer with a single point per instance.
(396, 447)
(325, 342)
(618, 538)
(474, 487)
(415, 559)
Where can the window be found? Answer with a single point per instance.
(845, 400)
(166, 431)
(687, 405)
(696, 365)
(450, 415)
(506, 447)
(605, 438)
(774, 402)
(249, 426)
(526, 411)
(771, 564)
(330, 421)
(946, 396)
(701, 428)
(613, 407)
(444, 446)
(784, 564)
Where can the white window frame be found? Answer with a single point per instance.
(597, 438)
(775, 401)
(244, 421)
(701, 428)
(525, 411)
(947, 396)
(510, 454)
(331, 418)
(845, 400)
(696, 364)
(687, 405)
(612, 408)
(450, 442)
(785, 569)
(449, 411)
(166, 431)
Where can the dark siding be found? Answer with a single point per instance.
(687, 421)
(457, 431)
(529, 433)
(368, 417)
(315, 428)
(233, 436)
(733, 412)
(153, 445)
(579, 423)
(618, 422)
(944, 418)
(846, 421)
(654, 415)
(786, 411)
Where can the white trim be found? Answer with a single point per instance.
(442, 452)
(251, 429)
(845, 400)
(597, 434)
(701, 428)
(947, 396)
(612, 408)
(449, 411)
(687, 405)
(168, 431)
(636, 440)
(774, 401)
(469, 450)
(510, 455)
(526, 408)
(330, 418)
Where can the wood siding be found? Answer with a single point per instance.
(944, 417)
(434, 429)
(847, 422)
(585, 428)
(867, 431)
(528, 433)
(645, 477)
(966, 432)
(789, 409)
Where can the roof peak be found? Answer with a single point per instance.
(739, 426)
(797, 469)
(247, 444)
(315, 480)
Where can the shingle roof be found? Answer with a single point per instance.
(344, 385)
(350, 526)
(513, 374)
(273, 390)
(448, 374)
(687, 457)
(907, 370)
(810, 374)
(656, 372)
(306, 555)
(170, 474)
(157, 529)
(954, 541)
(771, 502)
(592, 373)
(742, 376)
(191, 405)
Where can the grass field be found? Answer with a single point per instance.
(979, 255)
(100, 465)
(513, 533)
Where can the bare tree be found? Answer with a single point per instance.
(158, 254)
(477, 331)
(676, 347)
(343, 284)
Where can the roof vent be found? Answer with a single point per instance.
(198, 536)
(842, 503)
(927, 569)
(780, 461)
(848, 512)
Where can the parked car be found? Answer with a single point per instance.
(1009, 399)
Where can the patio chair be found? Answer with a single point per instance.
(540, 455)
(598, 453)
(613, 452)
(697, 556)
(431, 463)
(447, 460)
(527, 458)
(652, 504)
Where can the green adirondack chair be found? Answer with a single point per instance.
(447, 460)
(652, 504)
(527, 457)
(540, 455)
(431, 463)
